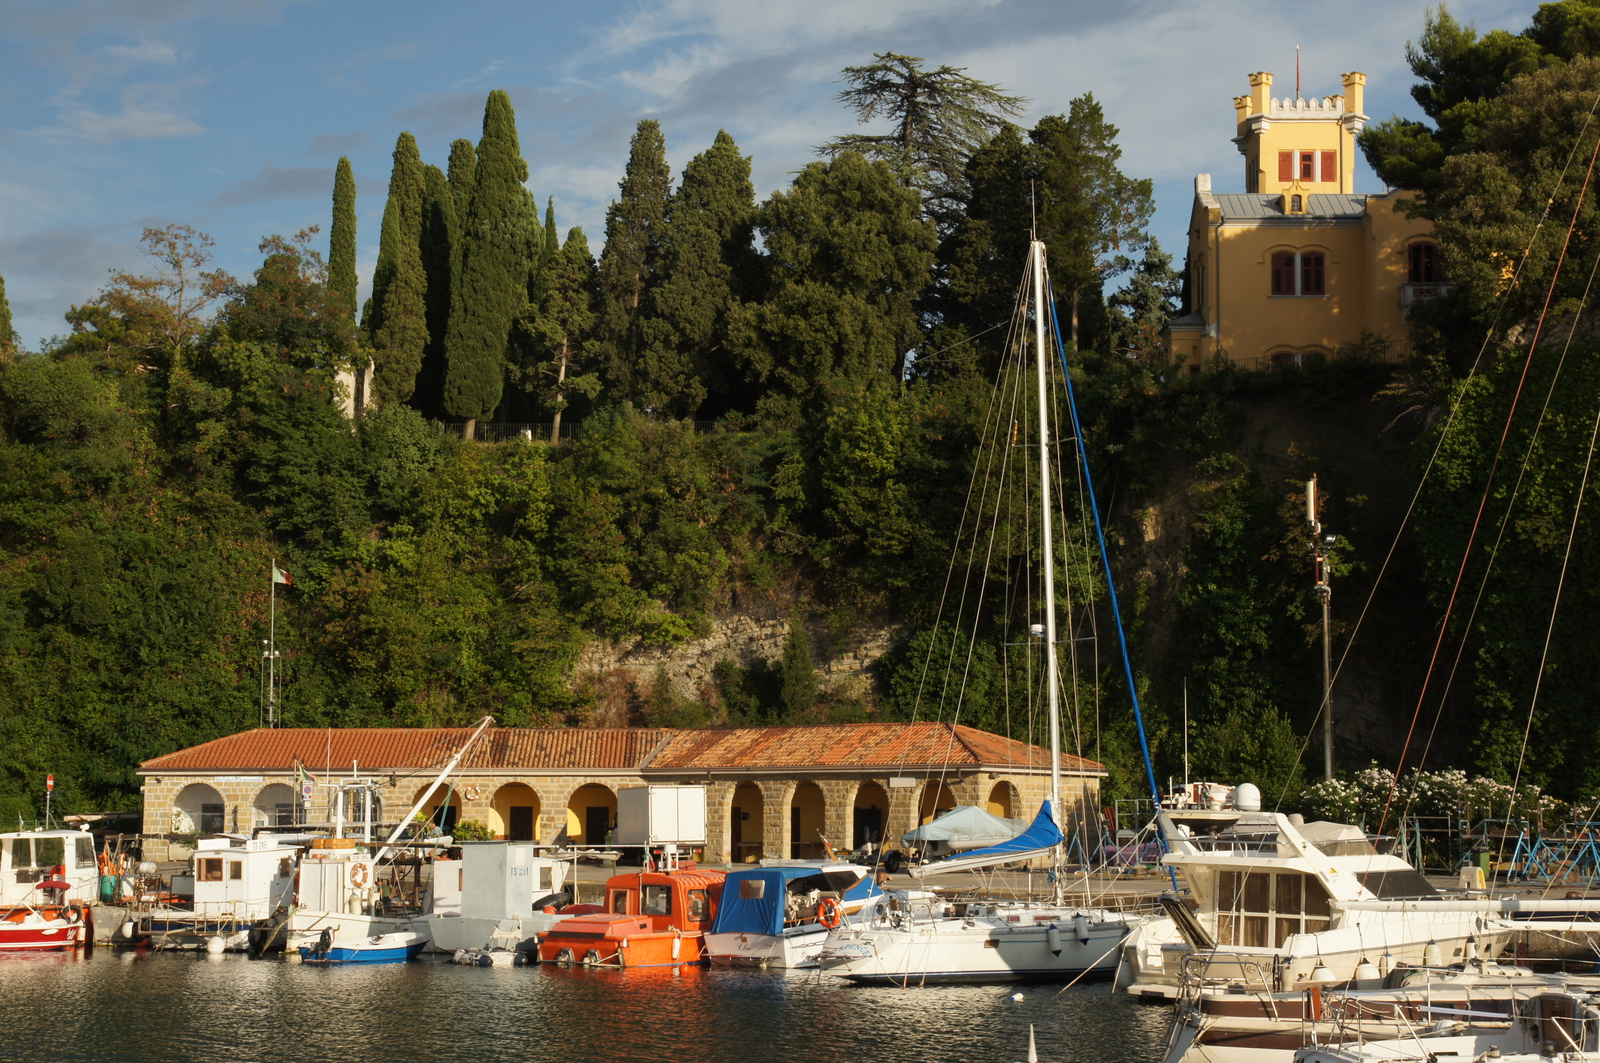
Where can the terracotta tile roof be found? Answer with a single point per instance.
(404, 748)
(861, 745)
(854, 745)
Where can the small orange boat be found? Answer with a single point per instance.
(651, 919)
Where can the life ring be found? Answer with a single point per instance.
(828, 912)
(359, 876)
(472, 793)
(71, 914)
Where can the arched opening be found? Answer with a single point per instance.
(869, 817)
(1003, 800)
(936, 798)
(747, 822)
(198, 809)
(514, 813)
(443, 808)
(808, 814)
(591, 814)
(275, 806)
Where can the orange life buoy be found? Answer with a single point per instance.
(358, 876)
(828, 912)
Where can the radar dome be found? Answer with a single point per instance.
(1247, 798)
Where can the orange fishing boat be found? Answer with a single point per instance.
(651, 919)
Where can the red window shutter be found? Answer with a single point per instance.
(1286, 166)
(1330, 166)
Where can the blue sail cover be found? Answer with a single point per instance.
(1041, 836)
(753, 898)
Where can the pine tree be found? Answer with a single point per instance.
(706, 247)
(8, 334)
(492, 285)
(438, 243)
(342, 236)
(633, 233)
(940, 117)
(397, 322)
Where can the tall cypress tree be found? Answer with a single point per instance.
(439, 226)
(558, 329)
(552, 239)
(397, 325)
(492, 285)
(706, 244)
(633, 233)
(8, 335)
(463, 161)
(342, 237)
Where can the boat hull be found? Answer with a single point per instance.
(388, 948)
(950, 951)
(789, 950)
(619, 943)
(44, 930)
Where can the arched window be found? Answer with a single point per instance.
(1299, 273)
(1425, 264)
(1296, 205)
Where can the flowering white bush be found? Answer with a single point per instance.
(1372, 798)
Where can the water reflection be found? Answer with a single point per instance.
(123, 1005)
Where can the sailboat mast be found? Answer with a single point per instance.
(1052, 675)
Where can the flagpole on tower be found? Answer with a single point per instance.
(1297, 71)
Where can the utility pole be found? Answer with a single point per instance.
(1324, 588)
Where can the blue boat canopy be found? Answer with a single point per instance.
(754, 899)
(1041, 836)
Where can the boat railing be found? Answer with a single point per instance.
(1216, 969)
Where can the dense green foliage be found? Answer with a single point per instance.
(397, 323)
(342, 236)
(490, 287)
(871, 443)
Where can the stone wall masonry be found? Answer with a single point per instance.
(743, 638)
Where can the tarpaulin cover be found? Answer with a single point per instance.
(1041, 836)
(753, 898)
(965, 827)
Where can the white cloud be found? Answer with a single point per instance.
(142, 53)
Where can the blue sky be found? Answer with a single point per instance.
(230, 116)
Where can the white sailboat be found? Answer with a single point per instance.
(906, 940)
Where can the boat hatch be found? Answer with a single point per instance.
(1397, 883)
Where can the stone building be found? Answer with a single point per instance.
(773, 792)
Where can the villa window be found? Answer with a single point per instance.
(1308, 166)
(1296, 205)
(1311, 274)
(1299, 273)
(1425, 264)
(1330, 166)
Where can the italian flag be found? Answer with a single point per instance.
(280, 576)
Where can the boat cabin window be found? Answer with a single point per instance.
(83, 851)
(657, 900)
(48, 852)
(619, 902)
(211, 870)
(1399, 882)
(285, 868)
(235, 870)
(1260, 909)
(21, 852)
(699, 904)
(752, 889)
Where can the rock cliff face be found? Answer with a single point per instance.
(740, 637)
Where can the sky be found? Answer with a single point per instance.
(230, 115)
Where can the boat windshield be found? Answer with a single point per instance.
(657, 900)
(1396, 883)
(1238, 836)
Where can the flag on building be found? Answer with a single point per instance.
(280, 576)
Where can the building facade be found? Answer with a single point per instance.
(774, 792)
(1300, 265)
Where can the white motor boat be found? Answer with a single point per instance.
(1278, 904)
(497, 900)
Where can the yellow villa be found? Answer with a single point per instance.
(1299, 263)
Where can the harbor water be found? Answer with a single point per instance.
(127, 1005)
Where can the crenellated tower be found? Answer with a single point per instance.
(1299, 147)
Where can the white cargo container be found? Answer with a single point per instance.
(661, 815)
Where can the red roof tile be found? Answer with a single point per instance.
(841, 746)
(396, 748)
(853, 745)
